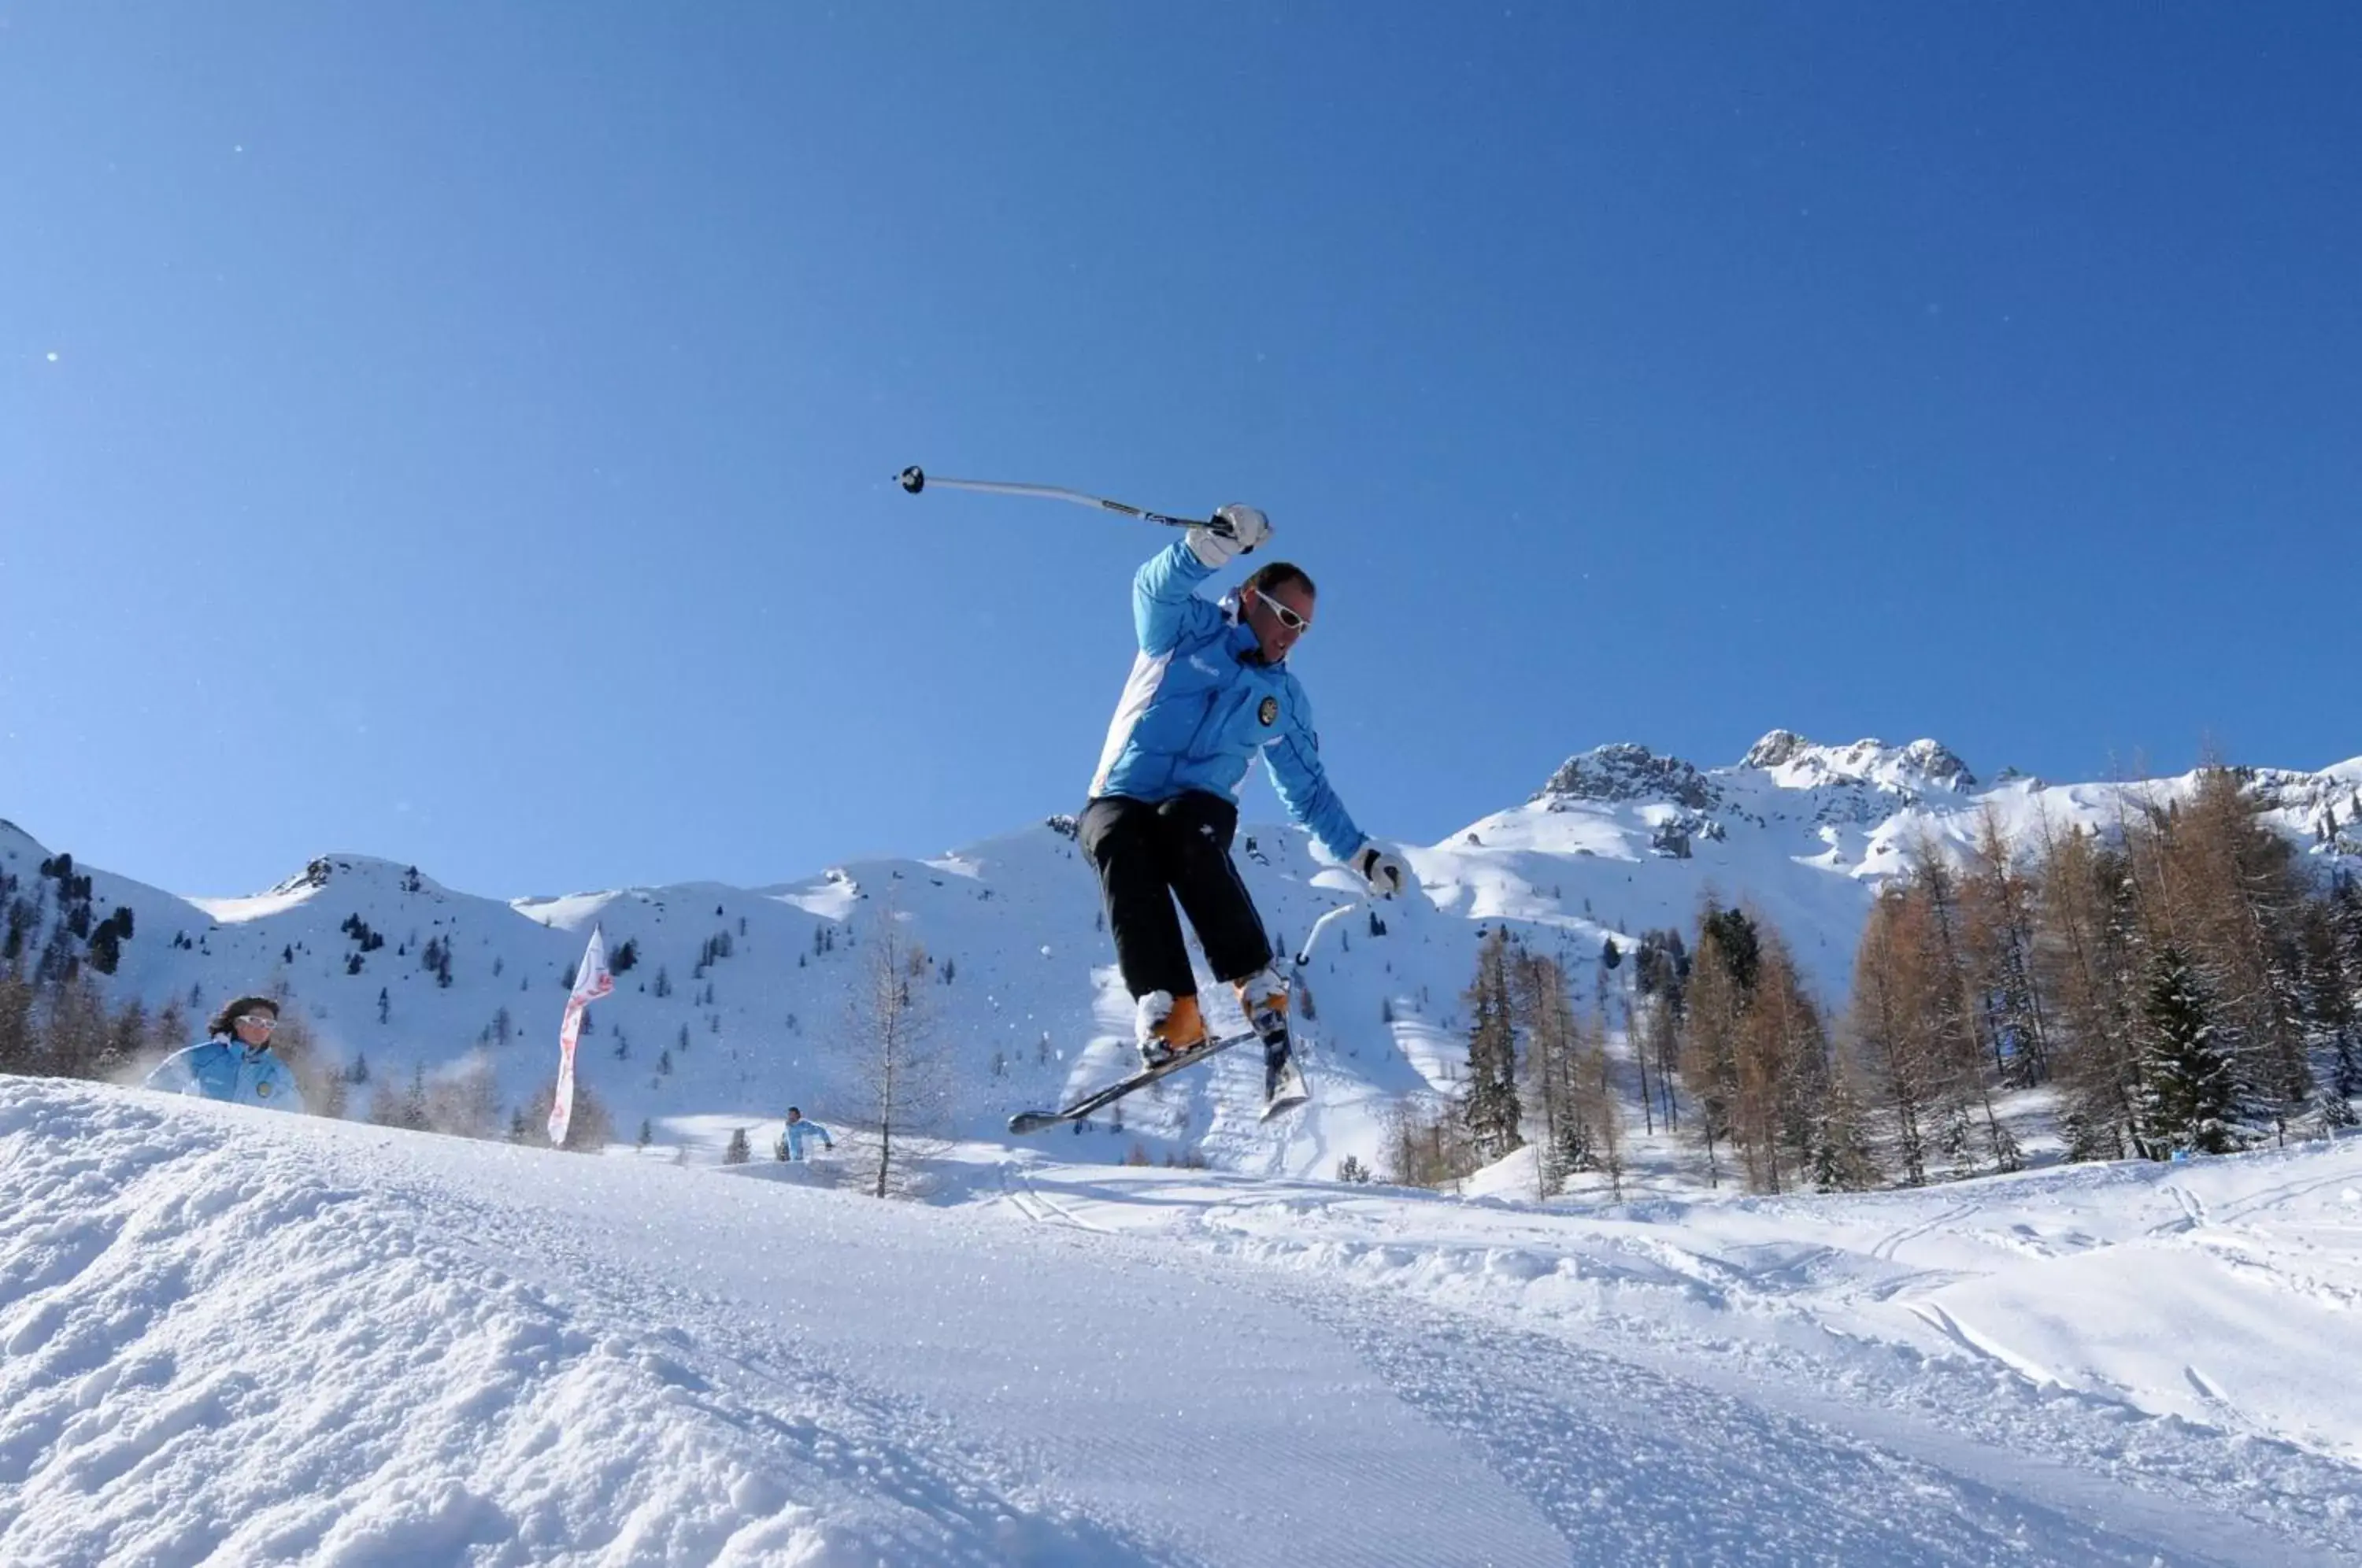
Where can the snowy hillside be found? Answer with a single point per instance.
(232, 1336)
(737, 1002)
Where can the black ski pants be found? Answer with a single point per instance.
(1150, 853)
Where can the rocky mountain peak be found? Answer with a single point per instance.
(1626, 771)
(1796, 762)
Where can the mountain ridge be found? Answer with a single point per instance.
(738, 1000)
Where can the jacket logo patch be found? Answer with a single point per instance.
(262, 1091)
(1269, 711)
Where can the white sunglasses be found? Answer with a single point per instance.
(1287, 618)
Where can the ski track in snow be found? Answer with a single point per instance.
(1757, 1452)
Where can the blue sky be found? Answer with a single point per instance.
(464, 433)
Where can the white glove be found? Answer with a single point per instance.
(1235, 530)
(1384, 871)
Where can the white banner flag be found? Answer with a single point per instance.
(591, 982)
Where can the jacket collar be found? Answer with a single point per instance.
(247, 1053)
(1244, 646)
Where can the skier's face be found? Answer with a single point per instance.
(1278, 616)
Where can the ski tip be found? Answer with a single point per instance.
(1026, 1121)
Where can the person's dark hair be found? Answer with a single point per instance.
(232, 1012)
(1279, 574)
(793, 1112)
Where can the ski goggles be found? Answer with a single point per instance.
(1287, 618)
(262, 1021)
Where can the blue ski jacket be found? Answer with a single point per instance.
(225, 1069)
(792, 1140)
(1200, 707)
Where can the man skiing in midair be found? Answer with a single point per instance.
(1210, 691)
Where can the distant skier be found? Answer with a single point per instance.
(1209, 690)
(797, 1133)
(236, 1063)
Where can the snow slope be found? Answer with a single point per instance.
(1026, 999)
(227, 1336)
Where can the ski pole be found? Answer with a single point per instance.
(915, 480)
(1304, 953)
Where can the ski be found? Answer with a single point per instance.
(1026, 1121)
(1283, 1081)
(1282, 1086)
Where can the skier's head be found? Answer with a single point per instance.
(794, 1115)
(1276, 602)
(250, 1019)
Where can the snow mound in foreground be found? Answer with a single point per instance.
(230, 1336)
(213, 1347)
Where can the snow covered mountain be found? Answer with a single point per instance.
(735, 1001)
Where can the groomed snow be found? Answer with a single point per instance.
(231, 1337)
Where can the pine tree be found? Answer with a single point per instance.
(2087, 941)
(2242, 891)
(2187, 1089)
(1597, 1116)
(1424, 1149)
(2341, 919)
(740, 1151)
(1659, 981)
(1717, 998)
(393, 1106)
(17, 1027)
(1489, 1107)
(1545, 1016)
(1997, 905)
(74, 1031)
(1783, 1069)
(1842, 1159)
(126, 1040)
(1883, 1025)
(106, 950)
(1959, 1022)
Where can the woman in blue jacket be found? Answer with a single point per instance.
(791, 1140)
(237, 1064)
